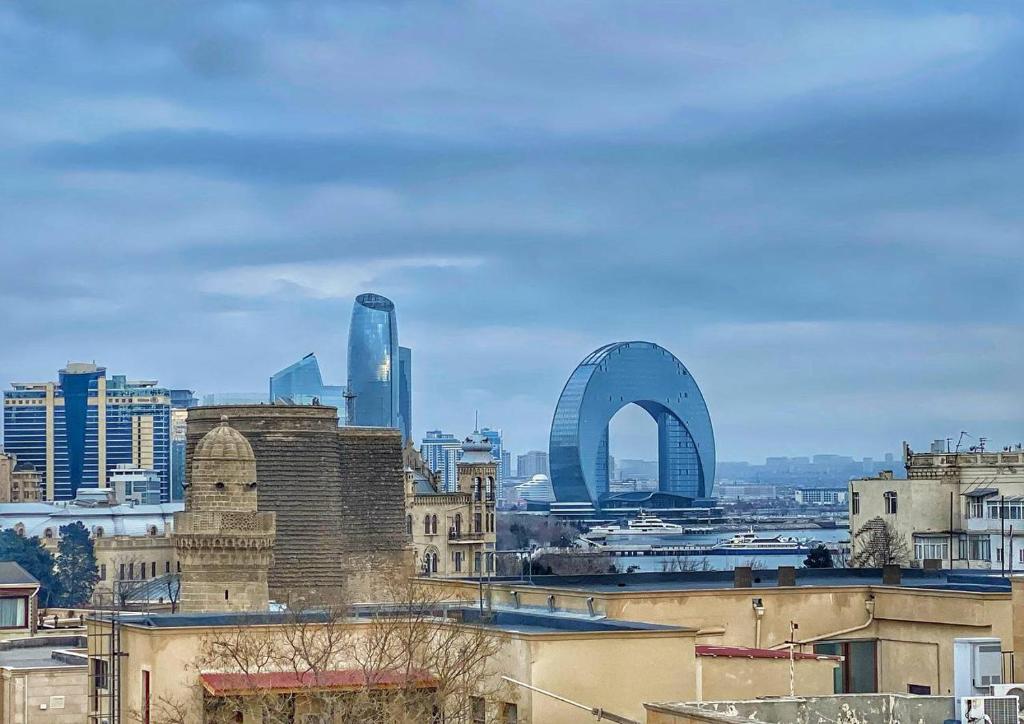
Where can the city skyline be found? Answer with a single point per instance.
(826, 238)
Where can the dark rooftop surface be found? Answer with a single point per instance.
(949, 580)
(11, 574)
(500, 619)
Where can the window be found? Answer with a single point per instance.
(931, 548)
(476, 562)
(120, 575)
(179, 566)
(98, 532)
(152, 530)
(426, 525)
(890, 503)
(131, 571)
(13, 612)
(142, 571)
(433, 562)
(855, 503)
(152, 570)
(975, 508)
(103, 571)
(509, 713)
(167, 566)
(433, 524)
(458, 561)
(975, 548)
(408, 524)
(477, 522)
(477, 710)
(458, 523)
(48, 533)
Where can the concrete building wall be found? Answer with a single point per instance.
(729, 677)
(63, 691)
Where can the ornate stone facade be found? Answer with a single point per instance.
(224, 545)
(337, 493)
(453, 532)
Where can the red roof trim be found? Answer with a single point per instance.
(219, 684)
(743, 652)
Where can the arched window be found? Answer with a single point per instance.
(97, 532)
(433, 525)
(490, 488)
(48, 534)
(458, 523)
(433, 563)
(426, 525)
(408, 524)
(152, 530)
(478, 485)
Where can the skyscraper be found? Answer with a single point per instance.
(497, 451)
(441, 451)
(77, 430)
(378, 394)
(532, 463)
(181, 400)
(301, 382)
(405, 392)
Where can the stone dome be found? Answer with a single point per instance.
(224, 443)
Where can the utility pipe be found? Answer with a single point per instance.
(598, 712)
(870, 605)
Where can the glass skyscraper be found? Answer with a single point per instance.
(300, 383)
(607, 380)
(379, 392)
(77, 430)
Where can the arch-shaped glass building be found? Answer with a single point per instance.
(608, 379)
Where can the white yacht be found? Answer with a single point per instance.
(751, 543)
(642, 525)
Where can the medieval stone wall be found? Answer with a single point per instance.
(338, 494)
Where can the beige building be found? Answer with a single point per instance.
(960, 509)
(19, 482)
(453, 532)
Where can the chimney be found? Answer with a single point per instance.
(787, 576)
(743, 577)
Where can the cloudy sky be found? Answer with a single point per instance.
(817, 207)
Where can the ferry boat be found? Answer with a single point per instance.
(642, 525)
(750, 543)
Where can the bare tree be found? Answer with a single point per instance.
(128, 580)
(573, 562)
(680, 564)
(411, 661)
(879, 544)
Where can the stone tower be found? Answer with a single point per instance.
(223, 543)
(478, 475)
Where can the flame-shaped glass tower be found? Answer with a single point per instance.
(376, 384)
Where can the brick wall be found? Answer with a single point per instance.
(338, 494)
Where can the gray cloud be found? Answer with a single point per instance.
(814, 207)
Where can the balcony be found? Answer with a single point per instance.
(464, 536)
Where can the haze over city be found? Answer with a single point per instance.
(810, 209)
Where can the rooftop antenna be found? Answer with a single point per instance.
(960, 441)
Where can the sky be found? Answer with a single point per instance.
(816, 206)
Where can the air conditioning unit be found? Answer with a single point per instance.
(987, 665)
(1016, 690)
(989, 710)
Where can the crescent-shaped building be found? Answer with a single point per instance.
(608, 379)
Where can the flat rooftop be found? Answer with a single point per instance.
(981, 581)
(512, 621)
(42, 652)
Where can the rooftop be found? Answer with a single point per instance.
(11, 574)
(508, 620)
(43, 652)
(949, 580)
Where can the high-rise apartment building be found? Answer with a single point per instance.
(532, 463)
(76, 430)
(441, 451)
(497, 451)
(379, 392)
(301, 383)
(181, 400)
